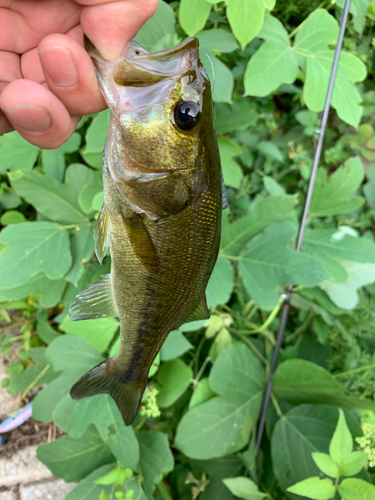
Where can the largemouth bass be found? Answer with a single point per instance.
(161, 215)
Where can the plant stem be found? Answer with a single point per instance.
(253, 348)
(302, 328)
(354, 370)
(201, 371)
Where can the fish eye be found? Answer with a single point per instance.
(186, 114)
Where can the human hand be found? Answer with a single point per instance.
(47, 79)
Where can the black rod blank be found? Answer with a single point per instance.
(318, 152)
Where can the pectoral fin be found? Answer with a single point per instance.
(141, 241)
(94, 302)
(201, 312)
(102, 234)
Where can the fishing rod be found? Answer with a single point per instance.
(288, 292)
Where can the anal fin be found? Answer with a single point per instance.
(94, 302)
(102, 234)
(201, 312)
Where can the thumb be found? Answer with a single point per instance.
(111, 25)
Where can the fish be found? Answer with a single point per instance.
(161, 216)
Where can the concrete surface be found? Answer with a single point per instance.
(54, 489)
(23, 467)
(8, 495)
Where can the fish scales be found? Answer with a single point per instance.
(161, 214)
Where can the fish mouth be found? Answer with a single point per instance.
(141, 68)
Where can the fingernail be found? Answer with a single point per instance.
(29, 117)
(59, 66)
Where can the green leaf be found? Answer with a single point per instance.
(102, 411)
(88, 489)
(8, 197)
(274, 208)
(96, 135)
(62, 411)
(231, 170)
(82, 247)
(272, 186)
(12, 217)
(89, 194)
(51, 290)
(238, 116)
(341, 444)
(44, 329)
(202, 393)
(156, 458)
(99, 332)
(246, 18)
(359, 10)
(315, 488)
(267, 262)
(57, 202)
(174, 378)
(133, 490)
(326, 464)
(245, 488)
(35, 375)
(28, 251)
(222, 425)
(345, 294)
(356, 489)
(73, 459)
(331, 195)
(220, 285)
(217, 40)
(71, 355)
(220, 75)
(353, 463)
(299, 381)
(193, 15)
(309, 119)
(175, 346)
(300, 432)
(273, 64)
(158, 32)
(16, 153)
(53, 160)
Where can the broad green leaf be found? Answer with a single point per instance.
(300, 432)
(62, 411)
(309, 119)
(99, 332)
(88, 489)
(53, 160)
(274, 208)
(299, 381)
(353, 463)
(102, 411)
(216, 40)
(245, 488)
(73, 459)
(156, 458)
(175, 346)
(82, 247)
(341, 444)
(246, 18)
(319, 30)
(356, 489)
(193, 15)
(88, 195)
(238, 116)
(16, 153)
(202, 393)
(359, 10)
(220, 285)
(173, 378)
(44, 329)
(35, 375)
(274, 63)
(272, 186)
(222, 425)
(71, 355)
(326, 464)
(57, 202)
(8, 197)
(231, 170)
(268, 262)
(133, 491)
(31, 248)
(95, 138)
(345, 294)
(12, 217)
(331, 195)
(217, 470)
(315, 488)
(158, 32)
(332, 248)
(220, 75)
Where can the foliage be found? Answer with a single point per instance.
(194, 436)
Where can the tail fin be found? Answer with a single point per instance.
(104, 379)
